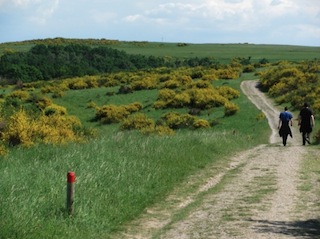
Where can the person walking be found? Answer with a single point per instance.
(306, 123)
(285, 120)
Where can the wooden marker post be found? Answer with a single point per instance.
(71, 179)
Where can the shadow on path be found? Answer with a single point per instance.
(304, 229)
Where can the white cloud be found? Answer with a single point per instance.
(186, 20)
(133, 18)
(44, 11)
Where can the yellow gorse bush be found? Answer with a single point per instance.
(137, 121)
(175, 120)
(108, 114)
(57, 129)
(230, 108)
(206, 98)
(145, 83)
(161, 130)
(55, 109)
(22, 129)
(18, 130)
(201, 123)
(20, 94)
(228, 92)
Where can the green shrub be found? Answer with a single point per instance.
(248, 68)
(261, 116)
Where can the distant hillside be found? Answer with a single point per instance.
(56, 61)
(221, 52)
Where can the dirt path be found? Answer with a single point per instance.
(258, 201)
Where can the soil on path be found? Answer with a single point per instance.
(258, 201)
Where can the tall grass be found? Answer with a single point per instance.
(118, 175)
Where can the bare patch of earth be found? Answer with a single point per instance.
(255, 196)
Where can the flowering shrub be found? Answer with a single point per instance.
(22, 129)
(42, 102)
(78, 84)
(55, 109)
(133, 107)
(230, 109)
(20, 94)
(201, 84)
(92, 105)
(57, 129)
(137, 121)
(293, 83)
(3, 150)
(228, 73)
(206, 98)
(108, 114)
(261, 116)
(178, 121)
(228, 92)
(171, 84)
(158, 130)
(209, 77)
(145, 83)
(166, 94)
(19, 130)
(201, 123)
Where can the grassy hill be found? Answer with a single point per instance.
(221, 52)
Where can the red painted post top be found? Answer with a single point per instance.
(71, 177)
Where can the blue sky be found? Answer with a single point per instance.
(293, 22)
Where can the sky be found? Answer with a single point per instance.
(288, 22)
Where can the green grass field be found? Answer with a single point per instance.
(118, 174)
(221, 52)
